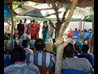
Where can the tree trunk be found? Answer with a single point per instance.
(60, 47)
(62, 29)
(12, 29)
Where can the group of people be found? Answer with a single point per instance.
(37, 55)
(33, 28)
(76, 34)
(24, 59)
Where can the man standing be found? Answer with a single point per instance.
(33, 28)
(20, 28)
(28, 27)
(25, 26)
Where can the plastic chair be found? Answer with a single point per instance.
(71, 71)
(44, 70)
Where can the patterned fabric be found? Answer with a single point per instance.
(81, 64)
(21, 68)
(33, 26)
(43, 59)
(88, 56)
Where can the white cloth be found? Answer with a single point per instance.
(28, 51)
(9, 47)
(50, 41)
(20, 42)
(25, 27)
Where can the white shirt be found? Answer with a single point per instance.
(9, 47)
(28, 51)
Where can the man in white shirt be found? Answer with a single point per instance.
(25, 26)
(25, 46)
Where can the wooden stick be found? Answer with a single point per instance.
(11, 11)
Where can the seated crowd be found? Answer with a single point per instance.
(39, 57)
(84, 34)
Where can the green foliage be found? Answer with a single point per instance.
(18, 4)
(91, 11)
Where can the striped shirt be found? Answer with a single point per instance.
(43, 59)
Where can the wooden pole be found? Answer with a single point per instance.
(91, 48)
(80, 26)
(11, 11)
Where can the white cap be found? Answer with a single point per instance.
(72, 42)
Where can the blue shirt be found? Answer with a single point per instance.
(88, 56)
(7, 60)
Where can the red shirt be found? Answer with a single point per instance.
(37, 24)
(33, 26)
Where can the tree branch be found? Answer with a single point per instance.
(56, 11)
(50, 22)
(52, 14)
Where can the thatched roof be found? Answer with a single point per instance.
(81, 3)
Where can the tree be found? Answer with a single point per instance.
(56, 7)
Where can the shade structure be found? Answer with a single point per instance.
(88, 18)
(34, 13)
(7, 11)
(81, 3)
(29, 11)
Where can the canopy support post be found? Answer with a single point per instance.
(11, 11)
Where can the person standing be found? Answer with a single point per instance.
(28, 27)
(33, 28)
(20, 28)
(45, 31)
(38, 28)
(25, 26)
(50, 34)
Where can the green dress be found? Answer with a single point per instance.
(45, 31)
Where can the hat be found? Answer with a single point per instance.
(48, 47)
(72, 42)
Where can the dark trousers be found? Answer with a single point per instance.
(20, 33)
(33, 36)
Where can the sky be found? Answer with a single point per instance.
(40, 6)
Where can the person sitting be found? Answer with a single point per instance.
(25, 46)
(9, 47)
(81, 35)
(77, 49)
(7, 59)
(75, 34)
(71, 42)
(42, 58)
(24, 37)
(54, 47)
(79, 43)
(71, 62)
(48, 48)
(20, 67)
(86, 55)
